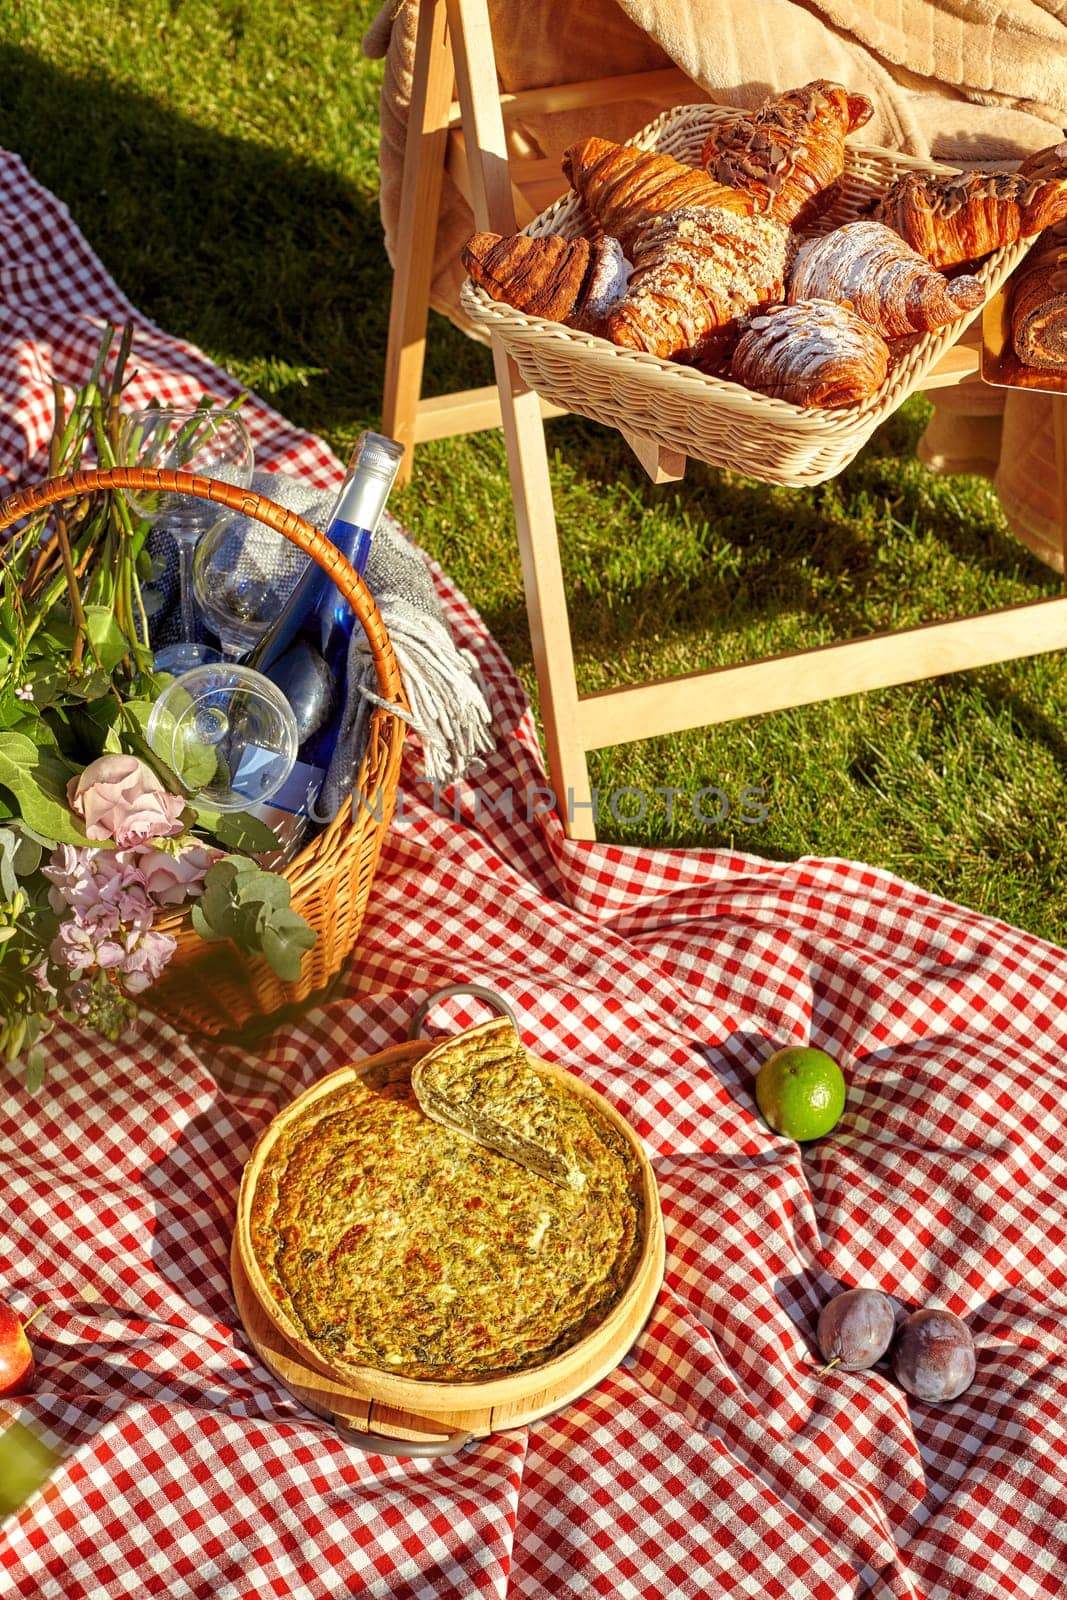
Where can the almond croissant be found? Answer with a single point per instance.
(868, 266)
(812, 353)
(695, 273)
(567, 280)
(627, 189)
(965, 215)
(789, 151)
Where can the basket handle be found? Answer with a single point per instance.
(249, 504)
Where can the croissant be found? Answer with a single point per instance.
(567, 280)
(789, 151)
(695, 273)
(965, 215)
(1050, 162)
(1039, 307)
(812, 353)
(868, 266)
(626, 189)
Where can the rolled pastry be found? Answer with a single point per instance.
(1039, 308)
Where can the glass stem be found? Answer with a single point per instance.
(186, 547)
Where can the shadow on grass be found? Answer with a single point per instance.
(274, 266)
(757, 553)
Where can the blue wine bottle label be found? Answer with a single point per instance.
(298, 792)
(256, 771)
(287, 813)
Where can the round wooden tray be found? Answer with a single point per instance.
(389, 1411)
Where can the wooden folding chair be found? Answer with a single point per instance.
(454, 51)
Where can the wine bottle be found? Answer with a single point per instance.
(305, 650)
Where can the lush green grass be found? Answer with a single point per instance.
(221, 158)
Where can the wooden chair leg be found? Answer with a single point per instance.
(546, 599)
(524, 434)
(1059, 434)
(420, 204)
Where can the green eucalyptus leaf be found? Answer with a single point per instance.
(9, 882)
(263, 888)
(29, 851)
(285, 951)
(41, 839)
(236, 830)
(251, 907)
(204, 928)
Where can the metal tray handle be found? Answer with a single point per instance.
(490, 996)
(381, 1444)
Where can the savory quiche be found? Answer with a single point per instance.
(391, 1241)
(483, 1083)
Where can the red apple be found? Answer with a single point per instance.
(16, 1357)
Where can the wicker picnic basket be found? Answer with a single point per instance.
(709, 418)
(213, 988)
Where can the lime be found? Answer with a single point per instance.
(801, 1092)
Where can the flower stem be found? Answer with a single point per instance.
(77, 612)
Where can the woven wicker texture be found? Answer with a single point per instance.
(708, 418)
(215, 988)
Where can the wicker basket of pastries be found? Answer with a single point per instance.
(755, 290)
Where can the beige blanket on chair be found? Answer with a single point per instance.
(963, 81)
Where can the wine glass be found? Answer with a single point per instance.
(227, 733)
(211, 442)
(243, 572)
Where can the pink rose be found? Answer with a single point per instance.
(122, 799)
(170, 879)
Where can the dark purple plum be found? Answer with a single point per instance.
(933, 1358)
(856, 1328)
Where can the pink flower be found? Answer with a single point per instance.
(70, 872)
(104, 888)
(39, 976)
(75, 948)
(170, 879)
(136, 957)
(144, 960)
(122, 799)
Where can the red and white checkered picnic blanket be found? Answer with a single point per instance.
(714, 1461)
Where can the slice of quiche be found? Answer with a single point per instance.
(482, 1083)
